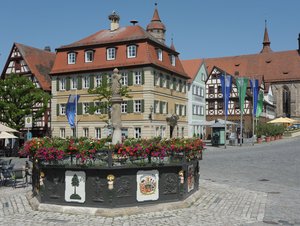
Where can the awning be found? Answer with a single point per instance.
(283, 120)
(5, 135)
(6, 129)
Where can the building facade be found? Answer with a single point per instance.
(196, 69)
(35, 64)
(152, 71)
(278, 72)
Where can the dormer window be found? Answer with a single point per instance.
(131, 51)
(89, 56)
(159, 54)
(172, 59)
(72, 58)
(111, 54)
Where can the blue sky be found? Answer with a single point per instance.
(200, 29)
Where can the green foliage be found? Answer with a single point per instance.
(268, 129)
(18, 97)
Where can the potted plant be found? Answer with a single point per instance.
(259, 133)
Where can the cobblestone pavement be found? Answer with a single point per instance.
(218, 205)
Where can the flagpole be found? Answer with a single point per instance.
(253, 87)
(76, 124)
(225, 108)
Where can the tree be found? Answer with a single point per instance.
(104, 95)
(75, 183)
(20, 97)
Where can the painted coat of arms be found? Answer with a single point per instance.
(75, 186)
(147, 185)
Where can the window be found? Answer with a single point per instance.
(89, 56)
(183, 110)
(156, 106)
(194, 89)
(71, 58)
(98, 110)
(85, 108)
(159, 54)
(173, 61)
(211, 90)
(124, 79)
(73, 83)
(124, 107)
(86, 132)
(211, 105)
(62, 132)
(62, 109)
(164, 107)
(201, 110)
(111, 53)
(182, 132)
(220, 105)
(138, 78)
(137, 132)
(201, 92)
(163, 132)
(62, 84)
(98, 80)
(124, 133)
(157, 133)
(194, 110)
(237, 105)
(177, 109)
(219, 89)
(137, 106)
(164, 81)
(203, 77)
(86, 82)
(178, 85)
(171, 84)
(157, 82)
(97, 133)
(183, 87)
(198, 90)
(131, 51)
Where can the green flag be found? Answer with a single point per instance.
(259, 108)
(242, 84)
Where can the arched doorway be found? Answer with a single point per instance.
(286, 101)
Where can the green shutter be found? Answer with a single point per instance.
(68, 85)
(57, 109)
(91, 106)
(143, 106)
(79, 109)
(79, 82)
(160, 107)
(154, 78)
(174, 84)
(143, 77)
(57, 84)
(160, 80)
(130, 78)
(92, 78)
(104, 80)
(130, 106)
(180, 109)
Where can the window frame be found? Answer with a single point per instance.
(98, 80)
(72, 57)
(86, 82)
(98, 133)
(111, 53)
(124, 107)
(137, 108)
(137, 132)
(138, 78)
(73, 82)
(85, 132)
(124, 79)
(85, 107)
(62, 109)
(86, 56)
(159, 54)
(62, 84)
(131, 51)
(62, 132)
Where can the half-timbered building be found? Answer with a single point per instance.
(278, 73)
(35, 64)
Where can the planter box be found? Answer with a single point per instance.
(267, 139)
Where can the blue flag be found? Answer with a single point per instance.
(71, 109)
(226, 84)
(255, 89)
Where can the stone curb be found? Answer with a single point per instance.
(112, 212)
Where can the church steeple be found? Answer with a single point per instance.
(156, 28)
(266, 43)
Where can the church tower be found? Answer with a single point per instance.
(156, 28)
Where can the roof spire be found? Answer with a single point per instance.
(172, 44)
(156, 27)
(266, 43)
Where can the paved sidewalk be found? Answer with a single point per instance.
(218, 205)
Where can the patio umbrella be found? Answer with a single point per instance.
(283, 120)
(5, 135)
(6, 129)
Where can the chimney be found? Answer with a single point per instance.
(47, 48)
(133, 22)
(114, 18)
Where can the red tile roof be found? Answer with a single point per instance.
(146, 52)
(192, 67)
(272, 66)
(39, 62)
